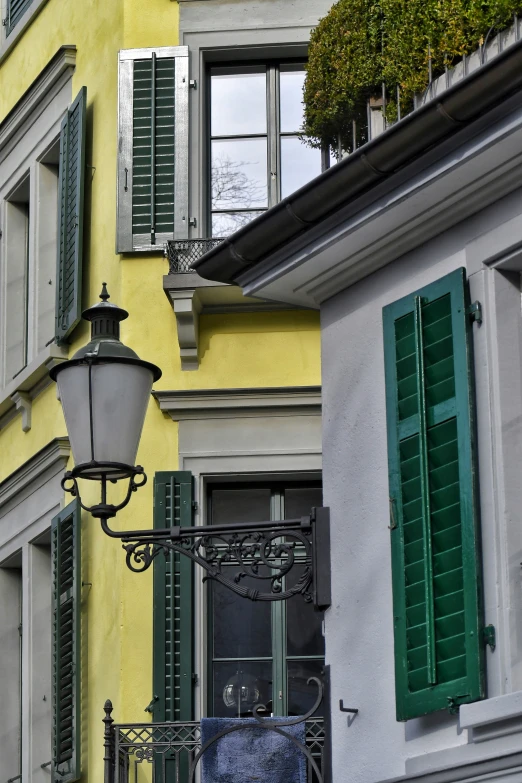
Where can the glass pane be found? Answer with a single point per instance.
(239, 174)
(299, 501)
(301, 697)
(240, 505)
(241, 628)
(304, 632)
(238, 102)
(291, 98)
(225, 223)
(299, 164)
(239, 686)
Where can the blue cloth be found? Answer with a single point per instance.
(252, 755)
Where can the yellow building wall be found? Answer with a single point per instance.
(240, 350)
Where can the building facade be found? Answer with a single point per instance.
(132, 133)
(411, 252)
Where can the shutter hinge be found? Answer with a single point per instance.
(195, 679)
(150, 707)
(195, 506)
(20, 629)
(4, 22)
(490, 637)
(454, 704)
(475, 312)
(193, 84)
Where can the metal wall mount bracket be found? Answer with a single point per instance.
(262, 552)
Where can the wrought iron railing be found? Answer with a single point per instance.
(171, 749)
(182, 253)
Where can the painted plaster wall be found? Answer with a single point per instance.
(359, 626)
(263, 349)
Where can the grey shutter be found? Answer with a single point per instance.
(15, 10)
(436, 574)
(173, 645)
(153, 147)
(71, 180)
(65, 545)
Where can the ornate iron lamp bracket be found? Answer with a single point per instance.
(262, 552)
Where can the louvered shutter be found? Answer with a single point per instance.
(71, 180)
(434, 528)
(65, 543)
(15, 10)
(173, 652)
(153, 147)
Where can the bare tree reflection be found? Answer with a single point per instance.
(233, 189)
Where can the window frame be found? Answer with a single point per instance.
(9, 39)
(279, 657)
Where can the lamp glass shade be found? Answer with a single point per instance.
(120, 395)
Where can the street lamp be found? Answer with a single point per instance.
(104, 390)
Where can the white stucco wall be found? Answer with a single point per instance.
(359, 626)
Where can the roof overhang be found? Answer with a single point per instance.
(439, 165)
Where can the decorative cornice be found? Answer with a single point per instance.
(55, 451)
(235, 403)
(40, 93)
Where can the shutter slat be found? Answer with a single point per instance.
(436, 580)
(65, 542)
(70, 225)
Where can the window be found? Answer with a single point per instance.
(437, 594)
(265, 657)
(256, 155)
(262, 652)
(41, 212)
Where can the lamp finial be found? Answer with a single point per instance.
(104, 293)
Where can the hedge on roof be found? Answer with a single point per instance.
(362, 43)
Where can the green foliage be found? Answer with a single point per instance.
(362, 43)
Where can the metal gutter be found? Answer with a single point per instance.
(370, 165)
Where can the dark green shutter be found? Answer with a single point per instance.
(65, 543)
(434, 528)
(71, 180)
(15, 10)
(153, 147)
(173, 652)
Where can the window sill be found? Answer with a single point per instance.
(494, 717)
(10, 42)
(192, 296)
(18, 394)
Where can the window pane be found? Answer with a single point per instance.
(240, 505)
(239, 174)
(291, 98)
(299, 501)
(299, 164)
(301, 696)
(304, 632)
(241, 628)
(238, 102)
(225, 223)
(240, 686)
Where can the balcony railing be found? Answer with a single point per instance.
(171, 748)
(182, 253)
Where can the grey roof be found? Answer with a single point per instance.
(367, 167)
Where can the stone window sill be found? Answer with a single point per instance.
(494, 717)
(17, 396)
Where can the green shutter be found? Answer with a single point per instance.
(65, 543)
(153, 147)
(15, 10)
(173, 652)
(434, 528)
(71, 180)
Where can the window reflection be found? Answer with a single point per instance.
(256, 156)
